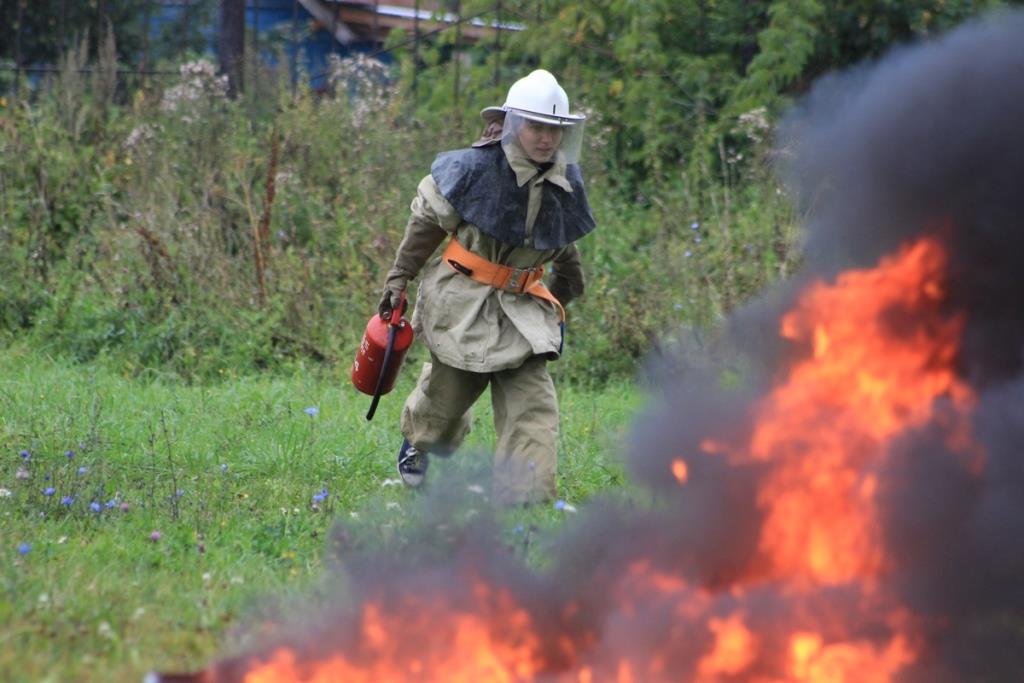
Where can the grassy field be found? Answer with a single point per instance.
(144, 522)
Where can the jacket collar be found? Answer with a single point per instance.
(526, 170)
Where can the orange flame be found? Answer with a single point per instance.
(814, 662)
(882, 355)
(425, 643)
(734, 650)
(680, 471)
(880, 361)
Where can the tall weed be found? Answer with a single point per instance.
(173, 229)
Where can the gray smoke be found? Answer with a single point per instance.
(932, 140)
(929, 140)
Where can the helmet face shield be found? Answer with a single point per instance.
(544, 138)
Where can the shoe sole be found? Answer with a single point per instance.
(413, 481)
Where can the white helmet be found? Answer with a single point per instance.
(537, 96)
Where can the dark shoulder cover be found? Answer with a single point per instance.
(481, 186)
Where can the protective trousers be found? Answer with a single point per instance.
(437, 416)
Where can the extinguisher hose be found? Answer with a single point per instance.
(392, 330)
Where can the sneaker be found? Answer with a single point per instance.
(412, 464)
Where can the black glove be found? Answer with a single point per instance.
(389, 301)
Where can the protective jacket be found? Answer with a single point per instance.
(503, 207)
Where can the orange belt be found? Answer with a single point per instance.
(515, 280)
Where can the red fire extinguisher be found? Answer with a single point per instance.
(381, 353)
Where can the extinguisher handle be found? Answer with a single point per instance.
(395, 318)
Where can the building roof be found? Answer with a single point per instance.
(352, 20)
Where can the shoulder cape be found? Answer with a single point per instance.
(481, 186)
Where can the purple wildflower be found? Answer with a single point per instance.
(49, 491)
(67, 500)
(111, 504)
(125, 507)
(69, 454)
(25, 455)
(559, 504)
(155, 536)
(95, 507)
(24, 548)
(312, 411)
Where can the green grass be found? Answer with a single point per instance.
(95, 599)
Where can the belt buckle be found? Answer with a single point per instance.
(516, 280)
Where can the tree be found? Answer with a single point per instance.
(668, 79)
(38, 32)
(232, 43)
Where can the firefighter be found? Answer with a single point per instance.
(506, 207)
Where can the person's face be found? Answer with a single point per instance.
(539, 140)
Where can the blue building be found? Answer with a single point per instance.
(308, 31)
